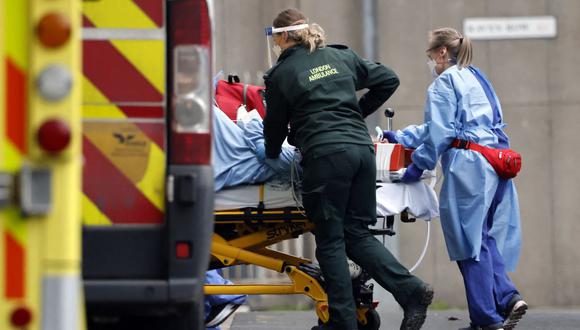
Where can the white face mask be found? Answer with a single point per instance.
(432, 68)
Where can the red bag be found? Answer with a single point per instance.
(507, 163)
(230, 94)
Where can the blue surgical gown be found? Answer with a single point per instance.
(457, 108)
(215, 277)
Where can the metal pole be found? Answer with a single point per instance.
(369, 43)
(369, 32)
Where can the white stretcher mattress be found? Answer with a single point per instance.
(276, 195)
(419, 199)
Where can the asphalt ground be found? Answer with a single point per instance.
(535, 319)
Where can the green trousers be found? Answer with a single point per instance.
(339, 197)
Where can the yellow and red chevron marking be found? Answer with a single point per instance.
(135, 14)
(123, 111)
(14, 286)
(125, 70)
(123, 173)
(14, 148)
(13, 145)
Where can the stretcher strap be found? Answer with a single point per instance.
(251, 216)
(245, 95)
(261, 205)
(261, 193)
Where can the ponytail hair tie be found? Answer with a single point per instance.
(460, 40)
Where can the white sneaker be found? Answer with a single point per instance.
(219, 314)
(516, 313)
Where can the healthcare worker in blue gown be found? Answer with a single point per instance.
(479, 211)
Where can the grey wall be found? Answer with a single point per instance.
(537, 84)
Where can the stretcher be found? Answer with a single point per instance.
(249, 219)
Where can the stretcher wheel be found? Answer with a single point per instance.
(373, 320)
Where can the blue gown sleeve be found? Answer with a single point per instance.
(440, 114)
(412, 136)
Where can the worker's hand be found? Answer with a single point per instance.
(390, 136)
(412, 174)
(261, 152)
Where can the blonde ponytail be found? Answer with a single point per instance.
(459, 47)
(465, 52)
(315, 37)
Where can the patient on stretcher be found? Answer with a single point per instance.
(234, 150)
(238, 171)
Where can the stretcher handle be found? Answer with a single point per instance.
(388, 227)
(406, 218)
(233, 78)
(389, 113)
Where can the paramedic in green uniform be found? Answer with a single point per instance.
(311, 90)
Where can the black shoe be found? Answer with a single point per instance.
(416, 310)
(517, 308)
(324, 327)
(321, 327)
(219, 314)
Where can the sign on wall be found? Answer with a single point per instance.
(498, 28)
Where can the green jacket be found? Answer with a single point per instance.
(316, 94)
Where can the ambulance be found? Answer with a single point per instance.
(147, 181)
(138, 192)
(40, 165)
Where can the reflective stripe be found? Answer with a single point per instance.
(125, 120)
(16, 105)
(14, 288)
(111, 72)
(123, 34)
(147, 57)
(61, 303)
(118, 14)
(112, 191)
(124, 104)
(92, 215)
(124, 128)
(151, 184)
(16, 23)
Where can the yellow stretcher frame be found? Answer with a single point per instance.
(256, 229)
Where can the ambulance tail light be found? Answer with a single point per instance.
(189, 34)
(54, 135)
(54, 30)
(21, 317)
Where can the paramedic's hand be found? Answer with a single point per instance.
(412, 174)
(261, 152)
(390, 136)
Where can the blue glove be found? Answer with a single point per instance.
(261, 152)
(412, 174)
(390, 136)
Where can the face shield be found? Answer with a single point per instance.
(272, 47)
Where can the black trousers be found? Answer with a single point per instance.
(339, 197)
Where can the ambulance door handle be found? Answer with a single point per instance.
(35, 191)
(6, 189)
(181, 188)
(169, 188)
(185, 188)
